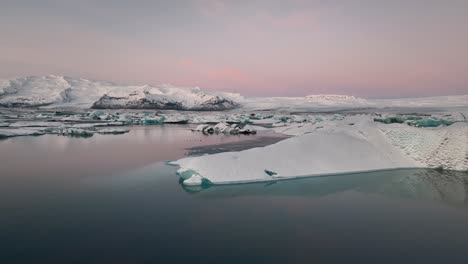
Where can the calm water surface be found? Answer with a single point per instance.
(112, 199)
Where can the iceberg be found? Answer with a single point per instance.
(72, 132)
(207, 129)
(226, 128)
(334, 147)
(417, 121)
(431, 122)
(96, 115)
(152, 120)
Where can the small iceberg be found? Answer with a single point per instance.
(225, 128)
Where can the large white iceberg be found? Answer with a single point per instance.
(353, 144)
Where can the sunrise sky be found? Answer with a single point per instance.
(367, 48)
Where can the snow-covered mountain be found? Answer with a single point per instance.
(164, 97)
(61, 91)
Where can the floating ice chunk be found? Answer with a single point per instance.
(6, 132)
(222, 127)
(113, 131)
(246, 121)
(43, 115)
(413, 118)
(96, 114)
(83, 126)
(176, 119)
(194, 180)
(416, 121)
(124, 119)
(107, 117)
(279, 124)
(184, 175)
(73, 132)
(200, 128)
(115, 123)
(255, 128)
(247, 131)
(4, 124)
(319, 119)
(337, 117)
(432, 122)
(391, 120)
(299, 119)
(208, 130)
(152, 120)
(205, 129)
(225, 128)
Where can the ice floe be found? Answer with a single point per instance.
(5, 133)
(113, 131)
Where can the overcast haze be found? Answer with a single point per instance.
(368, 48)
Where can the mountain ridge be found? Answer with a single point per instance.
(55, 91)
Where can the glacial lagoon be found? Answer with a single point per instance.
(113, 199)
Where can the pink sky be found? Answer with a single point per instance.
(364, 48)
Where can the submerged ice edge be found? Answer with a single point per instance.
(286, 178)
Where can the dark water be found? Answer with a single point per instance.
(141, 214)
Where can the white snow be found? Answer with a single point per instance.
(353, 144)
(61, 91)
(306, 103)
(445, 147)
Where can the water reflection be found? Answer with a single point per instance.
(104, 154)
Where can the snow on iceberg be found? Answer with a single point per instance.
(334, 147)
